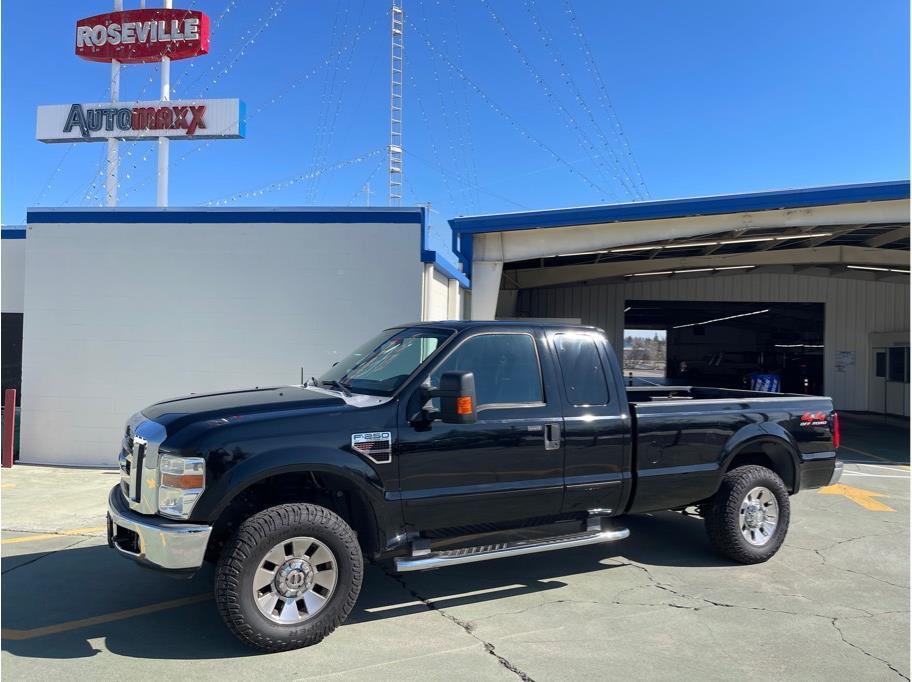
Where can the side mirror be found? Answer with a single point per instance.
(457, 398)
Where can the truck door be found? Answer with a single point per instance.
(509, 464)
(597, 427)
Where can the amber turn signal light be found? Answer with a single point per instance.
(464, 404)
(182, 481)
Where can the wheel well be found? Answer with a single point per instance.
(326, 490)
(773, 456)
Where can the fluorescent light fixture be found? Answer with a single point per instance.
(689, 245)
(799, 345)
(722, 319)
(688, 270)
(872, 268)
(804, 236)
(746, 240)
(628, 249)
(721, 242)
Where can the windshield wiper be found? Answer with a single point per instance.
(339, 386)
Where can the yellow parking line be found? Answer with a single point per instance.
(861, 497)
(47, 536)
(9, 633)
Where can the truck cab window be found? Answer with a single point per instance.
(505, 366)
(584, 377)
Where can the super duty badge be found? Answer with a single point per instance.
(377, 446)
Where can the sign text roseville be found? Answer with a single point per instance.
(176, 119)
(142, 35)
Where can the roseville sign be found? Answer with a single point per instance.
(142, 35)
(175, 119)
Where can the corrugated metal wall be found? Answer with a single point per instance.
(854, 309)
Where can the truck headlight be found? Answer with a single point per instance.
(182, 482)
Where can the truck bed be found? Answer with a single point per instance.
(648, 394)
(683, 437)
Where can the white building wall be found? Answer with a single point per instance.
(123, 315)
(437, 292)
(12, 267)
(854, 309)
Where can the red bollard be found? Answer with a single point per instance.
(9, 426)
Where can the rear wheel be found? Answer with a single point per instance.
(748, 517)
(289, 577)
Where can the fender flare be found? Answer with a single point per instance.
(358, 475)
(774, 441)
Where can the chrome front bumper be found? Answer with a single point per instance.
(152, 540)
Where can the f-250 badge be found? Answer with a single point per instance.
(377, 446)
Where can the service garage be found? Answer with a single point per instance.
(808, 288)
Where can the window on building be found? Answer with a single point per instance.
(584, 377)
(899, 364)
(505, 366)
(880, 364)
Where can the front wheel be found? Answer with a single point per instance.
(289, 577)
(748, 517)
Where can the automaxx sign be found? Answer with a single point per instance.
(175, 119)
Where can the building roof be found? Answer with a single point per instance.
(682, 208)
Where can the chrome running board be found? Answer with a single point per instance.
(594, 534)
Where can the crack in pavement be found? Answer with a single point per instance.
(831, 619)
(468, 628)
(865, 652)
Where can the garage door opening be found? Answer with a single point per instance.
(764, 346)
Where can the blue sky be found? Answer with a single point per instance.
(711, 97)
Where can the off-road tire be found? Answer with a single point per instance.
(238, 562)
(722, 514)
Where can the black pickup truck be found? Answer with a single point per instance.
(436, 444)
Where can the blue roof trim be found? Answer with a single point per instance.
(13, 233)
(682, 208)
(450, 270)
(227, 215)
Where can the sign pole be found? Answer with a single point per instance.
(162, 190)
(113, 160)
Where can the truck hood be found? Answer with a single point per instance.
(175, 413)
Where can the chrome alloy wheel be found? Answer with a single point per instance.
(759, 516)
(295, 580)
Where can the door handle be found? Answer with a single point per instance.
(552, 436)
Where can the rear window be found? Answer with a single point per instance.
(584, 376)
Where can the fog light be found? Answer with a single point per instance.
(182, 482)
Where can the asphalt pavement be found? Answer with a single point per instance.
(833, 604)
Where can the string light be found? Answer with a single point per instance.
(582, 139)
(503, 114)
(592, 67)
(289, 182)
(567, 76)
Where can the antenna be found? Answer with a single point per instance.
(395, 139)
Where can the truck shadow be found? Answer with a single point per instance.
(88, 594)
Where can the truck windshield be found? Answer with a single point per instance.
(381, 365)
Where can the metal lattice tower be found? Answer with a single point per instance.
(395, 139)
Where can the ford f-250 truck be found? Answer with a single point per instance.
(444, 443)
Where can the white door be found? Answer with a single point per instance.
(877, 391)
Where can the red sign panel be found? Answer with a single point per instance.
(142, 35)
